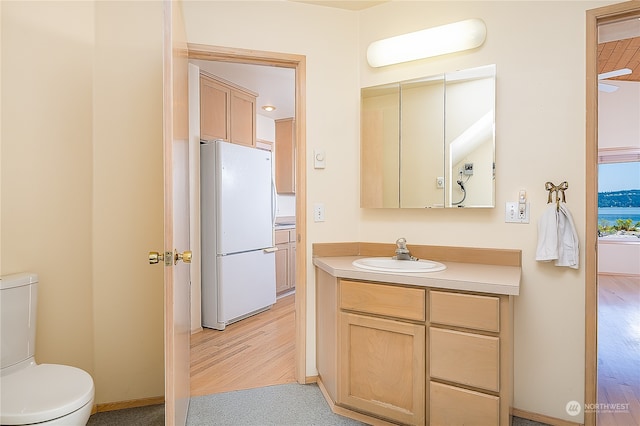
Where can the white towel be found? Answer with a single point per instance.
(548, 235)
(557, 237)
(568, 246)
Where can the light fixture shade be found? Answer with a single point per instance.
(434, 41)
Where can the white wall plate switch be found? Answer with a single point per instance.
(319, 160)
(515, 212)
(318, 212)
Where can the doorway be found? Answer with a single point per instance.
(296, 63)
(604, 399)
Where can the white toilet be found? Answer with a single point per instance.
(45, 394)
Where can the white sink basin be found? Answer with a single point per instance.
(387, 264)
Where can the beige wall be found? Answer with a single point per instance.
(82, 183)
(540, 137)
(47, 155)
(128, 200)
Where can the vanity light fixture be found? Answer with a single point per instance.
(435, 41)
(268, 108)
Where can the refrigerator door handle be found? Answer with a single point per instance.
(270, 250)
(274, 201)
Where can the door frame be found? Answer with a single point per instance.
(594, 18)
(298, 63)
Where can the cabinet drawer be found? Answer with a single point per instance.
(465, 310)
(398, 302)
(465, 358)
(449, 405)
(282, 237)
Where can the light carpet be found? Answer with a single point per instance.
(283, 405)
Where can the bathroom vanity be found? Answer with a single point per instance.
(417, 348)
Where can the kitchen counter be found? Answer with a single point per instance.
(492, 279)
(285, 222)
(281, 226)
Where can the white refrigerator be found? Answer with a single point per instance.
(237, 218)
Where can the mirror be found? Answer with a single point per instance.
(429, 142)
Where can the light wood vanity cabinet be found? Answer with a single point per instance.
(227, 112)
(415, 355)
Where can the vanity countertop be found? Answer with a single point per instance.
(493, 279)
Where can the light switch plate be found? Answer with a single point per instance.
(318, 212)
(319, 160)
(514, 214)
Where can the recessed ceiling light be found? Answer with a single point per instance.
(269, 108)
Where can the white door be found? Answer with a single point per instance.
(176, 215)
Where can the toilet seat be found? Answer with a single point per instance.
(43, 392)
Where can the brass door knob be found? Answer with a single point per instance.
(185, 257)
(155, 257)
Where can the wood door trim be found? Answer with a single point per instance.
(298, 63)
(593, 18)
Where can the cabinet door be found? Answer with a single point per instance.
(292, 264)
(243, 119)
(285, 156)
(282, 267)
(214, 109)
(382, 367)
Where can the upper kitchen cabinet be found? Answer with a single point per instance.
(285, 156)
(227, 111)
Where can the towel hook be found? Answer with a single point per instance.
(559, 190)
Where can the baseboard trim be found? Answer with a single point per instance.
(121, 405)
(351, 414)
(542, 418)
(310, 379)
(619, 274)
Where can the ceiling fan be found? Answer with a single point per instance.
(608, 88)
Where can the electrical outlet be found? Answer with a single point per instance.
(468, 169)
(515, 212)
(318, 212)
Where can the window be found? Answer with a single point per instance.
(619, 195)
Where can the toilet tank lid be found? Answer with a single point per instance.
(17, 280)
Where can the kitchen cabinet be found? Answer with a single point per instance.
(227, 111)
(285, 156)
(285, 260)
(413, 354)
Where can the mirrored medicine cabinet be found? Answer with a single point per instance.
(429, 142)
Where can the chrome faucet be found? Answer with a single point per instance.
(402, 252)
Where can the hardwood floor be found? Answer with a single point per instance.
(255, 352)
(618, 351)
